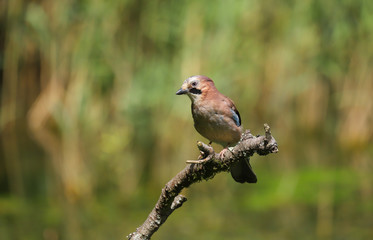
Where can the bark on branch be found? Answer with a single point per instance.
(213, 163)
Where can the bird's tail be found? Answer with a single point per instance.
(242, 172)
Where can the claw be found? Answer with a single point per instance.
(222, 153)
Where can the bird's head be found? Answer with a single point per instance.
(195, 86)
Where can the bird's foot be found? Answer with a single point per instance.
(224, 151)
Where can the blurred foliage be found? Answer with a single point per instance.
(91, 129)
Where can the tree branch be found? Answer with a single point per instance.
(211, 164)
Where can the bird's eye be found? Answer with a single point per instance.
(194, 84)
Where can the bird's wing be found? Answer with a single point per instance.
(235, 114)
(223, 105)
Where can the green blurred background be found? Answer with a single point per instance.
(91, 128)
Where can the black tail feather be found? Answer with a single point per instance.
(242, 172)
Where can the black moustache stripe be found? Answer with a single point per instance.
(195, 91)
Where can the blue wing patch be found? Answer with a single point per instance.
(236, 117)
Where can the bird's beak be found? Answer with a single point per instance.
(181, 91)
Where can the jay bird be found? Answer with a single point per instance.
(217, 119)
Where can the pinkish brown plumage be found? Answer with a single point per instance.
(217, 119)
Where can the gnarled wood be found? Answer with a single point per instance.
(170, 198)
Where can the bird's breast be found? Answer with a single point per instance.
(215, 126)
